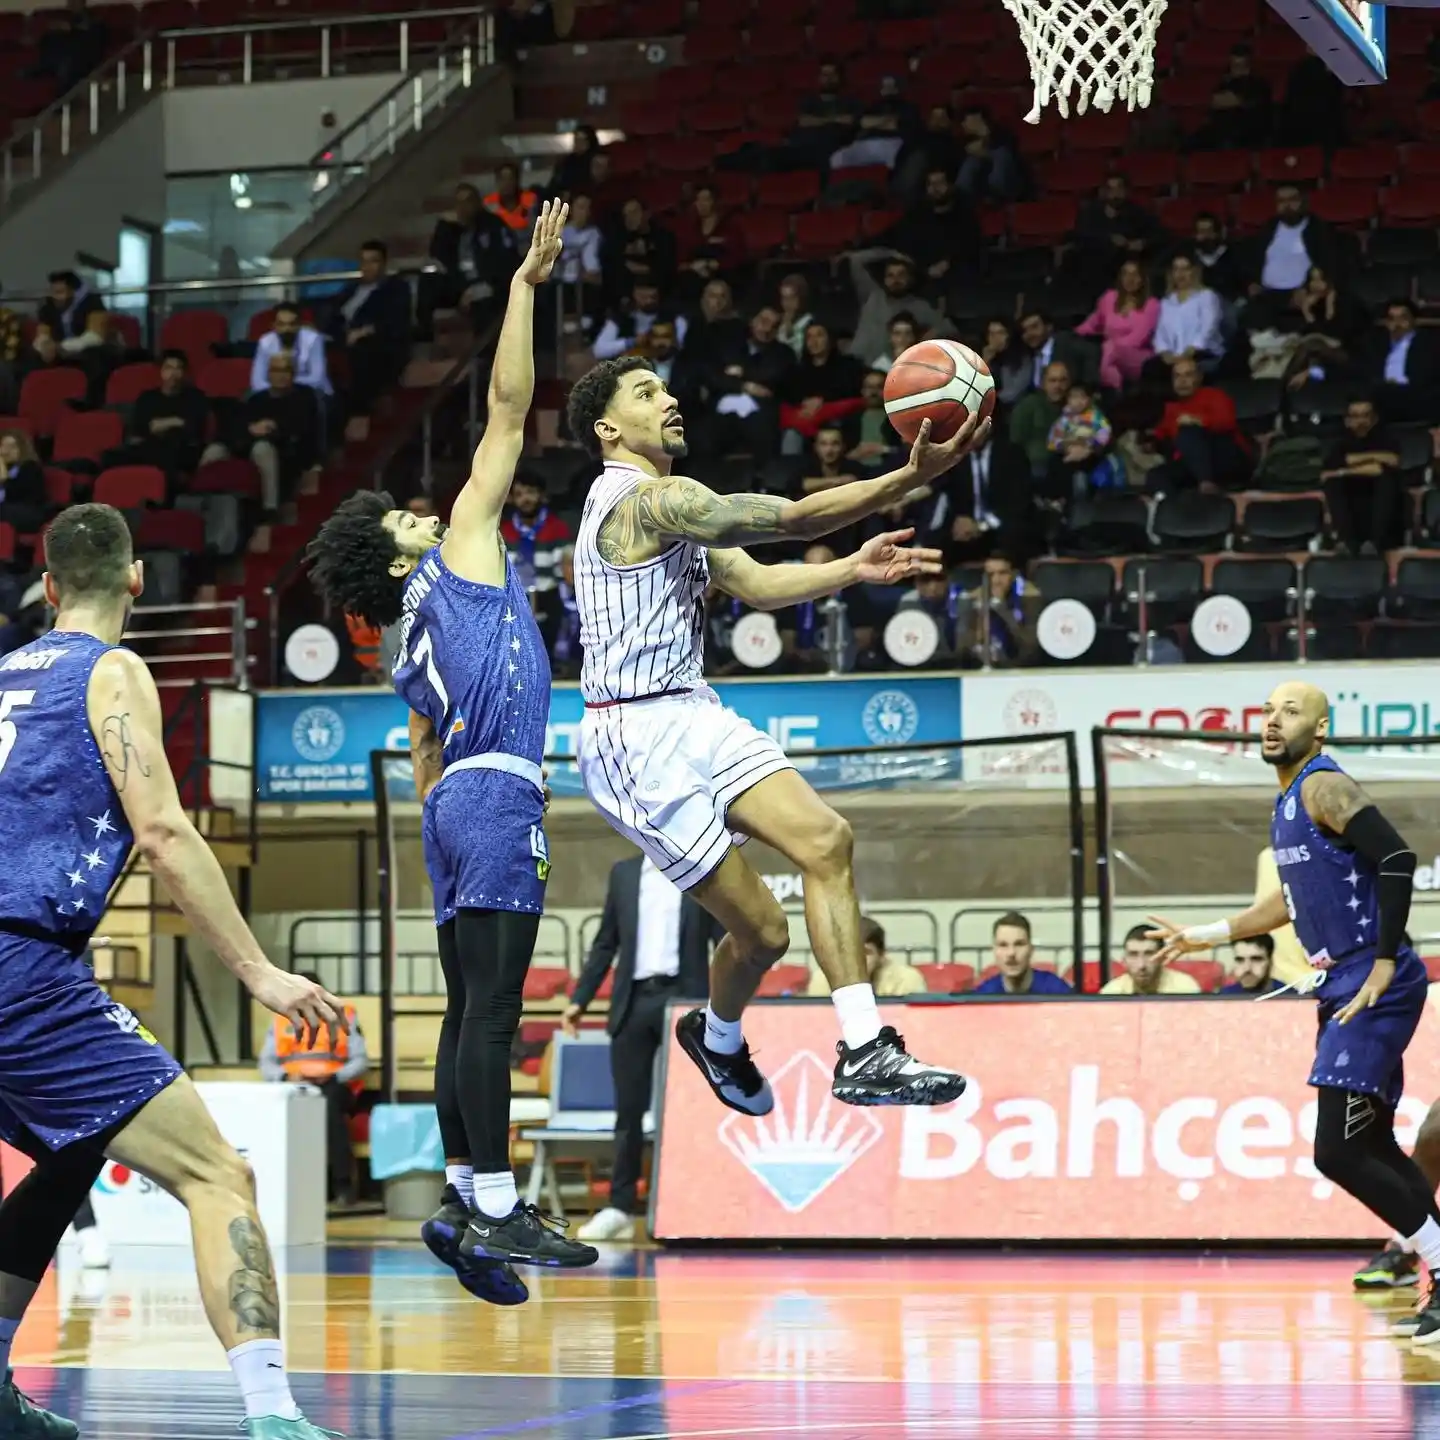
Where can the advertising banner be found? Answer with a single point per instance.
(1364, 700)
(316, 744)
(1124, 1119)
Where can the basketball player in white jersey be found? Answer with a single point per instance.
(686, 779)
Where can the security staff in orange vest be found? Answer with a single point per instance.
(516, 207)
(338, 1071)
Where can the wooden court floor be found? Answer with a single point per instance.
(813, 1346)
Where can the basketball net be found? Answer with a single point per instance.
(1098, 50)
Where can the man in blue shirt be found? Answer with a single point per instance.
(1250, 963)
(1014, 954)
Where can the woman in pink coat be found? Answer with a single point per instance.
(1125, 319)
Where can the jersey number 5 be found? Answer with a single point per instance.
(423, 653)
(9, 700)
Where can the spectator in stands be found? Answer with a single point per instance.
(1008, 360)
(1403, 366)
(795, 314)
(821, 390)
(639, 249)
(1110, 229)
(513, 207)
(706, 243)
(336, 1065)
(1201, 434)
(990, 499)
(581, 267)
(373, 320)
(1362, 483)
(624, 330)
(478, 251)
(661, 347)
(601, 187)
(537, 540)
(1219, 269)
(903, 334)
(827, 466)
(828, 119)
(1014, 955)
(1239, 108)
(937, 596)
(572, 173)
(934, 148)
(22, 484)
(1330, 322)
(881, 301)
(1280, 257)
(997, 619)
(1189, 323)
(1145, 973)
(992, 168)
(746, 388)
(1250, 964)
(167, 425)
(303, 343)
(872, 436)
(1124, 318)
(72, 47)
(1048, 345)
(65, 314)
(890, 979)
(717, 329)
(1079, 439)
(280, 431)
(941, 235)
(1032, 417)
(1313, 110)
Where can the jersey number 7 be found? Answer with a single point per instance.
(9, 699)
(422, 653)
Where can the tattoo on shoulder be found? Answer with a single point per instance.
(118, 747)
(1332, 799)
(679, 507)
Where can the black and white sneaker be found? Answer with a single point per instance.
(486, 1279)
(884, 1073)
(1427, 1330)
(735, 1079)
(526, 1236)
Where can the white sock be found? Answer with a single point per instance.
(1403, 1243)
(462, 1177)
(259, 1367)
(7, 1339)
(1426, 1240)
(721, 1036)
(495, 1195)
(859, 1018)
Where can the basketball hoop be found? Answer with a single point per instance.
(1099, 50)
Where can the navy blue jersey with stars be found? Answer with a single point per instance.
(66, 836)
(473, 663)
(1329, 890)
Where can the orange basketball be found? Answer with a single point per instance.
(940, 381)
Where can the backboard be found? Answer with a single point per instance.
(1348, 35)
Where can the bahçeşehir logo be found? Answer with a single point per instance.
(318, 734)
(890, 717)
(808, 1141)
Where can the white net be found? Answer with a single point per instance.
(1099, 51)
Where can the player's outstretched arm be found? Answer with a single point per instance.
(426, 755)
(1266, 914)
(882, 560)
(680, 508)
(512, 384)
(124, 711)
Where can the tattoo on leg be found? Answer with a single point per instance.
(253, 1298)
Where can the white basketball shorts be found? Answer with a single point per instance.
(664, 772)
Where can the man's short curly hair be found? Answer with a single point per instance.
(592, 395)
(350, 559)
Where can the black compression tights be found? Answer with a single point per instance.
(38, 1210)
(1355, 1147)
(485, 955)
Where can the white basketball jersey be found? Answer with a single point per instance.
(642, 626)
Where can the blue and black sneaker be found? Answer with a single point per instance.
(483, 1276)
(526, 1236)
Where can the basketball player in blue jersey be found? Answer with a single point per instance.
(474, 671)
(83, 780)
(1345, 884)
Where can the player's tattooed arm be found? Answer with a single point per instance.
(1332, 800)
(426, 755)
(254, 1301)
(122, 755)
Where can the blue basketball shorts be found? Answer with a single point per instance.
(485, 847)
(1367, 1055)
(73, 1062)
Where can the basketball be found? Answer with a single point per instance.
(940, 381)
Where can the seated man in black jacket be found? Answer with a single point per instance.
(478, 252)
(744, 384)
(167, 424)
(372, 319)
(1401, 365)
(279, 429)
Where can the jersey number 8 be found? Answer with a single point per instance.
(1289, 900)
(9, 700)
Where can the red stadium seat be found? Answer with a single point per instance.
(1416, 202)
(1041, 222)
(784, 980)
(7, 542)
(226, 477)
(1208, 974)
(681, 84)
(774, 111)
(129, 382)
(790, 190)
(594, 22)
(1080, 174)
(1217, 169)
(764, 232)
(648, 119)
(947, 979)
(1151, 169)
(716, 116)
(1353, 204)
(1376, 164)
(1178, 214)
(126, 329)
(1302, 165)
(712, 46)
(17, 422)
(195, 332)
(1420, 160)
(822, 233)
(689, 154)
(86, 435)
(224, 379)
(59, 486)
(874, 223)
(1252, 210)
(1096, 130)
(44, 395)
(732, 188)
(131, 487)
(182, 530)
(546, 982)
(775, 42)
(839, 39)
(657, 17)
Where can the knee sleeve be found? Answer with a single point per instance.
(38, 1210)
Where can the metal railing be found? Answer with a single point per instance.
(183, 639)
(160, 62)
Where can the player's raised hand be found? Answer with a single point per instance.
(311, 1008)
(1176, 940)
(884, 561)
(546, 242)
(1377, 982)
(928, 460)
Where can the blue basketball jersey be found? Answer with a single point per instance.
(1329, 890)
(472, 662)
(66, 836)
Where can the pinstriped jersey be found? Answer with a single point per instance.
(642, 626)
